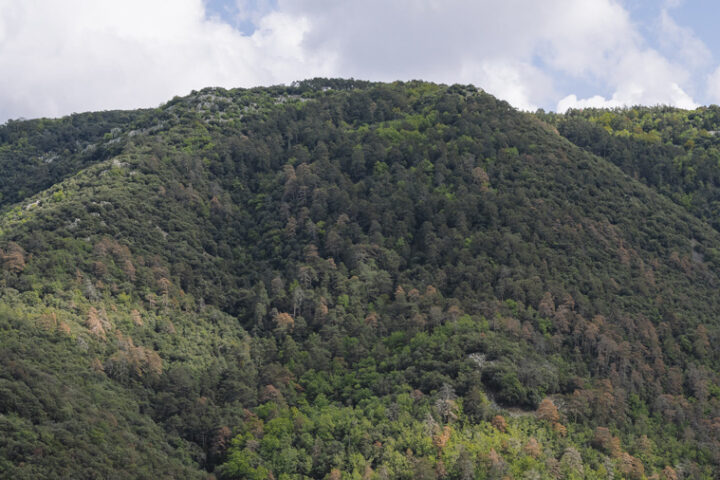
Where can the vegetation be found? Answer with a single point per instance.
(677, 152)
(342, 279)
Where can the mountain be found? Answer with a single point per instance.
(344, 279)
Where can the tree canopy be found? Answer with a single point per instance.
(345, 279)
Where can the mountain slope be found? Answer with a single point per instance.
(344, 278)
(35, 154)
(674, 151)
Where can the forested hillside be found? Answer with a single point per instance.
(675, 151)
(341, 279)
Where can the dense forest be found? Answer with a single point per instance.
(340, 279)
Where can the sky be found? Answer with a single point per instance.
(59, 57)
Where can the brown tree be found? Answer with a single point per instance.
(546, 307)
(548, 411)
(605, 441)
(669, 473)
(284, 321)
(499, 422)
(631, 467)
(14, 258)
(532, 448)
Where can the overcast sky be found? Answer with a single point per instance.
(64, 56)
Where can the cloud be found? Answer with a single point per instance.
(630, 95)
(448, 41)
(582, 38)
(639, 77)
(520, 84)
(637, 74)
(514, 49)
(75, 55)
(491, 43)
(597, 101)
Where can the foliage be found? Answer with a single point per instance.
(343, 279)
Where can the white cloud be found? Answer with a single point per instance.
(637, 74)
(597, 101)
(75, 55)
(630, 95)
(490, 43)
(497, 44)
(520, 84)
(59, 57)
(582, 38)
(639, 77)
